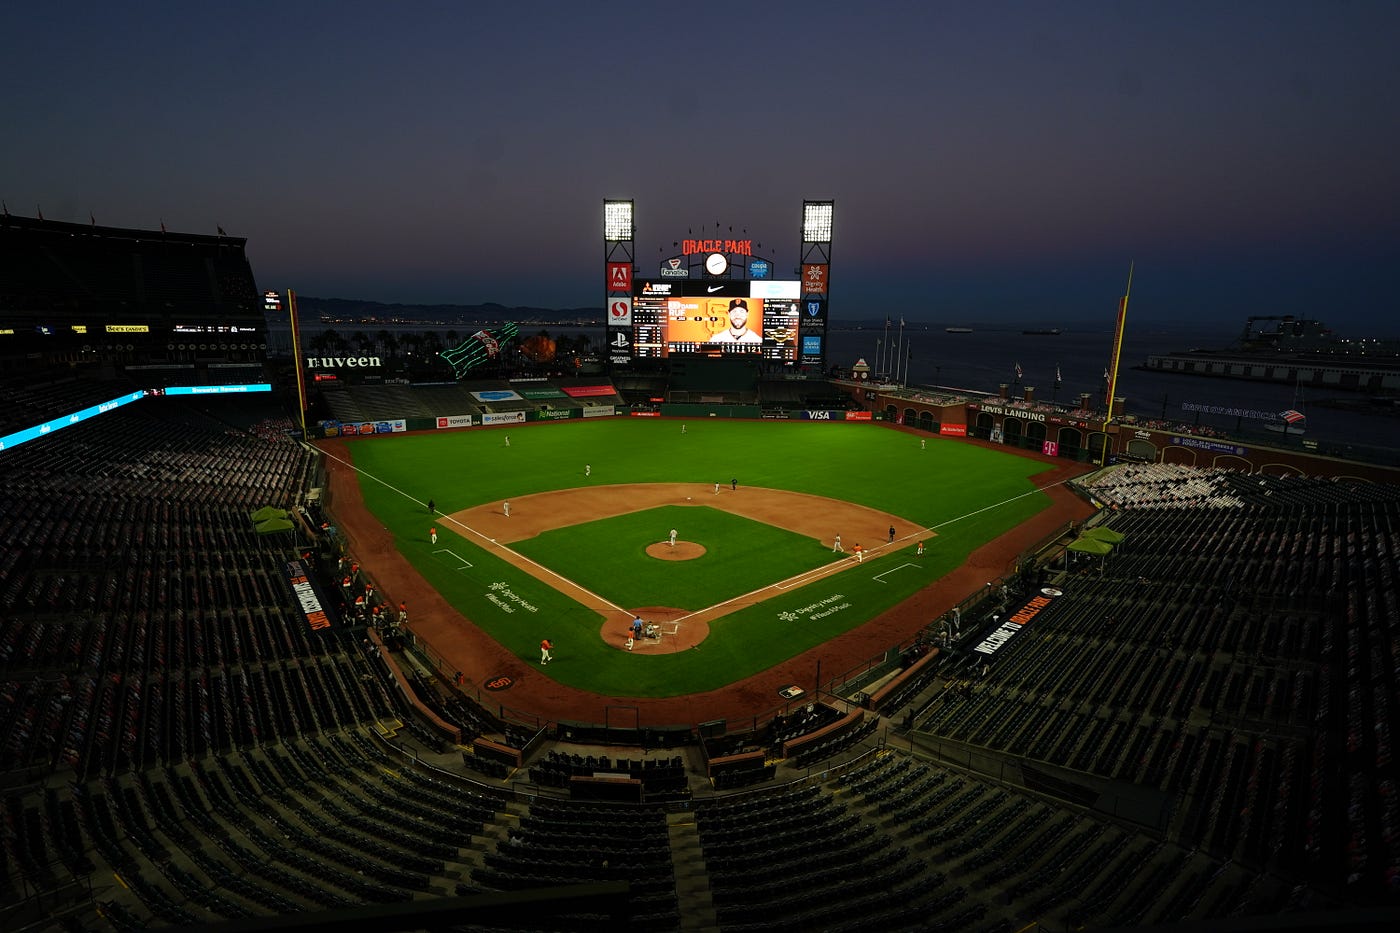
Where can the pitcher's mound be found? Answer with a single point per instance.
(684, 550)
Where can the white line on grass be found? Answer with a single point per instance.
(892, 570)
(465, 563)
(449, 520)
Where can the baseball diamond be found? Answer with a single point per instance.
(731, 650)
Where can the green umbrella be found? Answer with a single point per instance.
(266, 512)
(273, 524)
(1104, 533)
(1088, 545)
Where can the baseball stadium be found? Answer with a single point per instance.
(687, 627)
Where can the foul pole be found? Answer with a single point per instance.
(1113, 365)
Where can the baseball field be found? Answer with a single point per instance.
(753, 580)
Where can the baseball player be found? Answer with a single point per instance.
(836, 546)
(432, 535)
(505, 507)
(546, 646)
(673, 537)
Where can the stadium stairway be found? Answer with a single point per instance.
(698, 913)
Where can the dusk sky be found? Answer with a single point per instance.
(989, 161)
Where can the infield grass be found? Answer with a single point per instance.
(741, 555)
(968, 494)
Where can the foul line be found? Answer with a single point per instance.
(449, 520)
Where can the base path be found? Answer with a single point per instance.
(463, 647)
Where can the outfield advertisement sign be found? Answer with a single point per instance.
(362, 428)
(503, 417)
(858, 416)
(589, 391)
(497, 395)
(599, 411)
(553, 414)
(537, 394)
(454, 421)
(1212, 446)
(953, 430)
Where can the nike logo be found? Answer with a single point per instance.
(714, 288)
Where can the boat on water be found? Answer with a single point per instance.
(958, 330)
(1043, 332)
(1293, 350)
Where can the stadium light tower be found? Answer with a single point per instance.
(815, 273)
(619, 259)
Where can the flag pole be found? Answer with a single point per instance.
(886, 345)
(900, 349)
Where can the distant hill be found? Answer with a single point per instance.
(351, 310)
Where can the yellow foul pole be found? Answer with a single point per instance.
(1118, 344)
(296, 359)
(1117, 353)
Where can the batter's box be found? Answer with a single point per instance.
(462, 561)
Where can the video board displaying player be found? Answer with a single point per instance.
(708, 318)
(714, 324)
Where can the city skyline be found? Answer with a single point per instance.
(998, 164)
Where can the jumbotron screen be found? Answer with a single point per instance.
(709, 318)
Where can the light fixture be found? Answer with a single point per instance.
(816, 221)
(617, 220)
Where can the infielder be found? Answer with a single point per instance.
(505, 507)
(836, 546)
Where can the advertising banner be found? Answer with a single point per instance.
(363, 428)
(588, 391)
(497, 395)
(308, 596)
(599, 411)
(503, 417)
(534, 394)
(454, 421)
(953, 430)
(1011, 626)
(553, 414)
(857, 416)
(619, 277)
(1213, 446)
(620, 312)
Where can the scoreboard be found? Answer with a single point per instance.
(705, 317)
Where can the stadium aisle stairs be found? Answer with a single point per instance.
(697, 907)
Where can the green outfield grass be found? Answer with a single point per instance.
(966, 493)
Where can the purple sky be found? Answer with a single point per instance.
(1003, 162)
